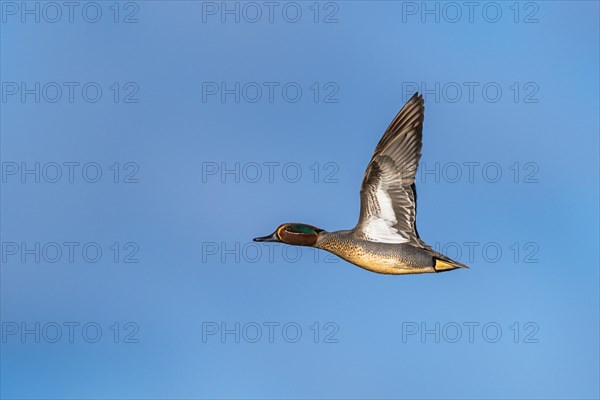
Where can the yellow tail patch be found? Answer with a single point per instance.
(441, 265)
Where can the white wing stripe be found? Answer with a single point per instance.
(380, 228)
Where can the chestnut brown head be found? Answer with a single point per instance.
(294, 234)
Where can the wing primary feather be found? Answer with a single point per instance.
(388, 193)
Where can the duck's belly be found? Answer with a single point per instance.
(384, 258)
(387, 265)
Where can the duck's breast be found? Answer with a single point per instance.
(383, 258)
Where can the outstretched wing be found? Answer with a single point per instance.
(388, 197)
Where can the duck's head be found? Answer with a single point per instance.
(293, 233)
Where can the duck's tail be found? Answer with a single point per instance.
(443, 264)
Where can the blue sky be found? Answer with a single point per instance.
(144, 144)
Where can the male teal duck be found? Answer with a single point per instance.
(385, 240)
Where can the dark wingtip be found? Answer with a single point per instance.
(417, 97)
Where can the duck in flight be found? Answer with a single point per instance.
(385, 240)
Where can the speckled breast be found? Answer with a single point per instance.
(383, 258)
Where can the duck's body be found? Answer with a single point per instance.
(385, 240)
(383, 258)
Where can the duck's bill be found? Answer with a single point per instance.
(269, 238)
